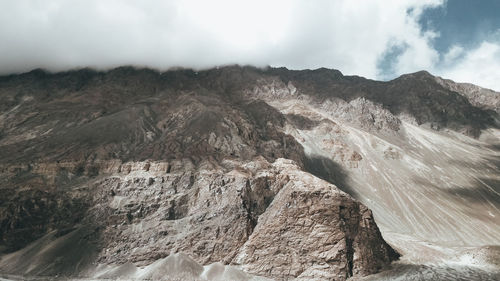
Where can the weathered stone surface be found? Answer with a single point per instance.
(273, 219)
(313, 230)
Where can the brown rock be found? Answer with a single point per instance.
(314, 231)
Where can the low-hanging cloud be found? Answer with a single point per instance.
(349, 35)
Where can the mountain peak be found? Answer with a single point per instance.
(422, 74)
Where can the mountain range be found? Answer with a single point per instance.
(245, 173)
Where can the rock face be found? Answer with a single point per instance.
(316, 229)
(236, 165)
(140, 212)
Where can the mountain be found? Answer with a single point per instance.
(246, 173)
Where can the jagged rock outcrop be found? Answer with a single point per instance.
(312, 230)
(215, 216)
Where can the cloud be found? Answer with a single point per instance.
(349, 35)
(480, 65)
(454, 53)
(346, 34)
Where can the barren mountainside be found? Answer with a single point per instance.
(246, 173)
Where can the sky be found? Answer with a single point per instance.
(377, 39)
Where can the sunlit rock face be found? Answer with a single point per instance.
(316, 229)
(243, 172)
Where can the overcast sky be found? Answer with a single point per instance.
(378, 39)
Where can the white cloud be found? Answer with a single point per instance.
(480, 66)
(454, 53)
(349, 35)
